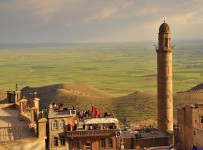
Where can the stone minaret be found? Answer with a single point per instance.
(164, 80)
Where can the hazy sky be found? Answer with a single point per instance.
(98, 20)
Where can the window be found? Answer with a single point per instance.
(54, 124)
(201, 119)
(88, 145)
(62, 140)
(103, 143)
(55, 141)
(166, 42)
(79, 144)
(70, 145)
(62, 124)
(110, 143)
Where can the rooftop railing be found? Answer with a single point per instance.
(88, 133)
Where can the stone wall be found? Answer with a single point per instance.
(25, 117)
(7, 105)
(26, 144)
(198, 136)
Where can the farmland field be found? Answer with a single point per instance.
(117, 68)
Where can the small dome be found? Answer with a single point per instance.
(164, 28)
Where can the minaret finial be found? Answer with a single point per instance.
(164, 20)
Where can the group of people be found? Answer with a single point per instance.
(92, 127)
(72, 127)
(88, 115)
(57, 107)
(101, 126)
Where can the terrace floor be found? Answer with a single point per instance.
(11, 128)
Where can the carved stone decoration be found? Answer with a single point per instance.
(24, 106)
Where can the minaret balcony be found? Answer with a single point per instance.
(165, 49)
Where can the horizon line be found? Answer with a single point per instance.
(86, 42)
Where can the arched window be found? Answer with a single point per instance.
(62, 124)
(79, 145)
(55, 124)
(110, 143)
(103, 143)
(62, 140)
(166, 42)
(88, 145)
(55, 141)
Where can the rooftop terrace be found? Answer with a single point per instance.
(11, 128)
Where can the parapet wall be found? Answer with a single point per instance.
(25, 117)
(7, 105)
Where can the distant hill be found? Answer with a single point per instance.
(67, 93)
(135, 107)
(197, 89)
(193, 95)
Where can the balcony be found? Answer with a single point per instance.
(89, 133)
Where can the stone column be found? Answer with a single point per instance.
(36, 104)
(23, 105)
(9, 95)
(34, 115)
(42, 128)
(16, 96)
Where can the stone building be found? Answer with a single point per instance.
(21, 126)
(190, 123)
(144, 139)
(69, 131)
(164, 81)
(56, 128)
(58, 122)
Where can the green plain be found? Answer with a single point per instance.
(117, 68)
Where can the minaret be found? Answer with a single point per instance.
(164, 80)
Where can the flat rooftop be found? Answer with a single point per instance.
(11, 128)
(61, 113)
(144, 134)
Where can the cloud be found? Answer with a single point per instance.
(72, 20)
(114, 10)
(148, 11)
(104, 14)
(44, 9)
(49, 9)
